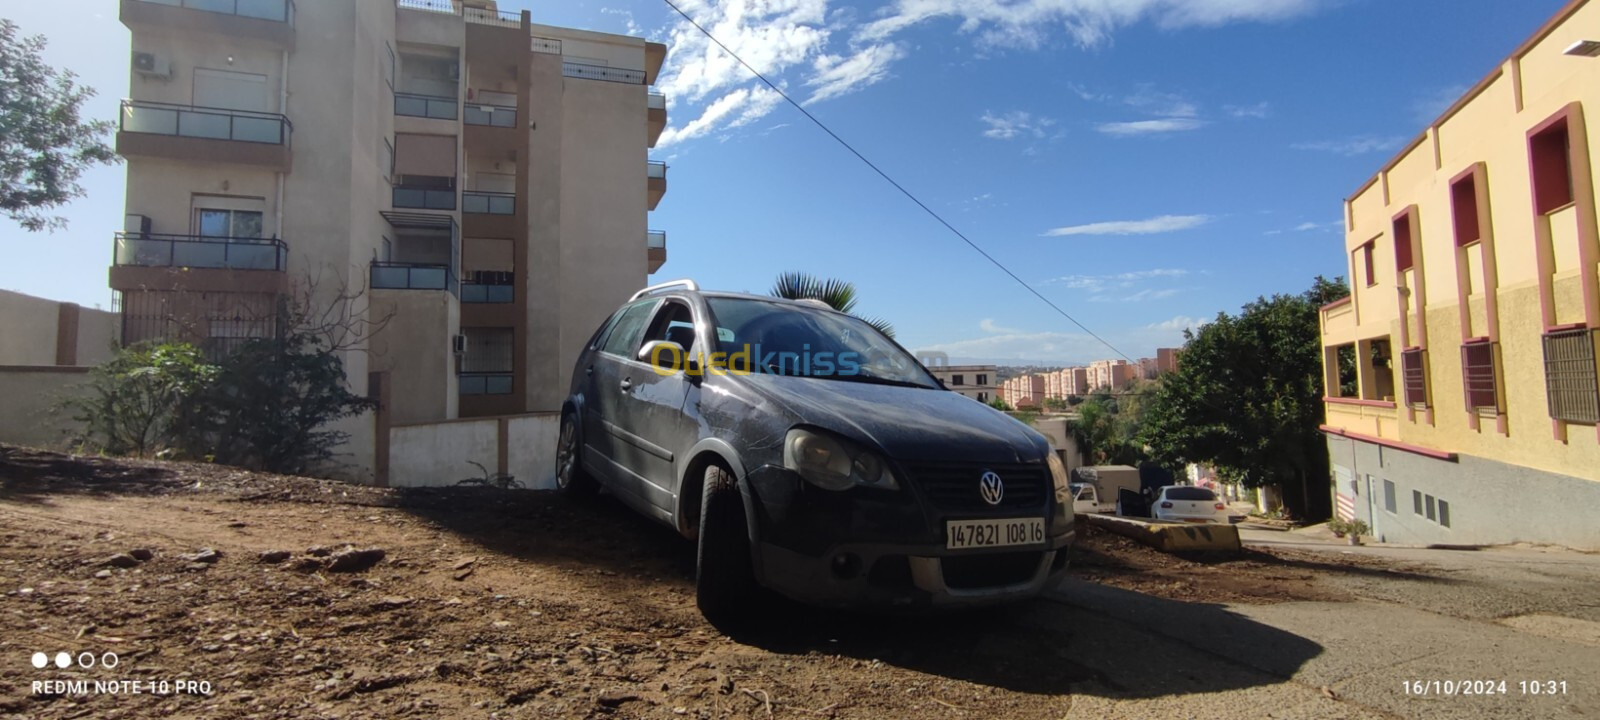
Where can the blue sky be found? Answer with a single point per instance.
(1143, 163)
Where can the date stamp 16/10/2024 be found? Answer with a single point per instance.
(1461, 688)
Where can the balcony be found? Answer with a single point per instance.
(500, 116)
(488, 287)
(189, 133)
(1339, 322)
(159, 261)
(656, 181)
(412, 276)
(482, 202)
(1372, 418)
(423, 197)
(655, 117)
(494, 18)
(655, 244)
(269, 20)
(436, 107)
(585, 71)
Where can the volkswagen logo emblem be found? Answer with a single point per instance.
(991, 487)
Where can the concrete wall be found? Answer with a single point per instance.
(414, 348)
(437, 454)
(32, 395)
(36, 331)
(1490, 502)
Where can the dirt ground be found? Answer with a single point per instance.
(490, 603)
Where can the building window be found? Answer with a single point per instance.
(1402, 244)
(1416, 502)
(228, 223)
(1444, 513)
(1414, 371)
(1550, 157)
(1367, 264)
(983, 397)
(1388, 495)
(983, 379)
(1464, 210)
(1479, 376)
(389, 70)
(958, 379)
(1428, 504)
(1571, 375)
(386, 159)
(487, 366)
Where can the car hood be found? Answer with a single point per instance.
(905, 423)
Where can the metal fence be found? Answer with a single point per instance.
(602, 72)
(548, 46)
(140, 116)
(1414, 376)
(448, 7)
(1571, 375)
(497, 18)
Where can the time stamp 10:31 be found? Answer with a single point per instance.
(1453, 688)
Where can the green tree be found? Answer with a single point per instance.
(835, 293)
(44, 145)
(999, 403)
(1247, 398)
(147, 399)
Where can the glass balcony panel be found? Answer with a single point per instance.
(390, 277)
(158, 121)
(252, 129)
(204, 125)
(265, 9)
(200, 254)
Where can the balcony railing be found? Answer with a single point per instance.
(655, 101)
(602, 72)
(484, 383)
(447, 7)
(153, 118)
(491, 115)
(199, 251)
(424, 198)
(413, 276)
(488, 203)
(275, 10)
(437, 107)
(488, 286)
(548, 46)
(655, 169)
(655, 240)
(497, 18)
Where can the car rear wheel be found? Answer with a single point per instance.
(570, 477)
(725, 583)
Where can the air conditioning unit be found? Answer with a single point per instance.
(136, 224)
(459, 344)
(152, 65)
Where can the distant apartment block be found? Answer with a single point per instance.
(1111, 374)
(974, 381)
(1463, 391)
(483, 179)
(1024, 391)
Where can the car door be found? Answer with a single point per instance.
(603, 391)
(650, 424)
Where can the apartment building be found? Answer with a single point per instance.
(1075, 381)
(1111, 374)
(1024, 391)
(483, 182)
(1461, 376)
(1165, 361)
(974, 381)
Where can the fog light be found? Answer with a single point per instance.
(846, 565)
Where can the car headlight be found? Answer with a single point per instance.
(835, 464)
(1058, 474)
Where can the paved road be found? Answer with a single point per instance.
(1513, 615)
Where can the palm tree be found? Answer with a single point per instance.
(837, 294)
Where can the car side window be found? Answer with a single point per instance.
(624, 336)
(673, 323)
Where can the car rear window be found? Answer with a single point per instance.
(1190, 493)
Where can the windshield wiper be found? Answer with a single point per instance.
(875, 380)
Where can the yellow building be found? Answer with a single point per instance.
(1461, 375)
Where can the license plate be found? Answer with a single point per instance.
(963, 534)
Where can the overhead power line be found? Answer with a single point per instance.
(913, 198)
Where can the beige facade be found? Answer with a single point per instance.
(1024, 391)
(1470, 337)
(484, 180)
(1111, 374)
(973, 381)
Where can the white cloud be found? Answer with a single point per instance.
(988, 326)
(1351, 146)
(836, 75)
(1142, 295)
(1430, 105)
(1152, 226)
(1259, 110)
(631, 26)
(1178, 323)
(1097, 283)
(1089, 23)
(1065, 348)
(1013, 124)
(1169, 105)
(732, 105)
(1150, 127)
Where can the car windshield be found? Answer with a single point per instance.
(1190, 493)
(782, 338)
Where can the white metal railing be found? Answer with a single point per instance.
(655, 101)
(547, 46)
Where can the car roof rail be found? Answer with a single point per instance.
(685, 283)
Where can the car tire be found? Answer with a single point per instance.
(725, 583)
(570, 477)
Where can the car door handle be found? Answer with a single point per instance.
(627, 383)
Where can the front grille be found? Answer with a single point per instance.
(955, 487)
(971, 572)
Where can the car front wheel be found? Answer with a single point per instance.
(724, 579)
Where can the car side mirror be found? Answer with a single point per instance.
(661, 353)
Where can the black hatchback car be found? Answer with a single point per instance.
(811, 455)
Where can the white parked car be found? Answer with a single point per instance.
(1085, 500)
(1185, 503)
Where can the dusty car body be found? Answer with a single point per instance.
(878, 488)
